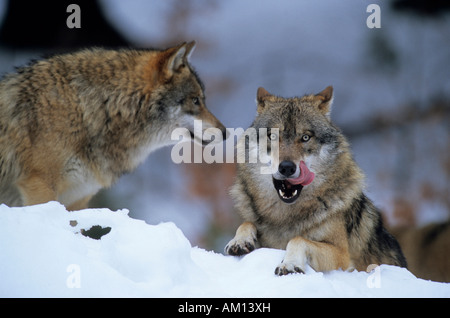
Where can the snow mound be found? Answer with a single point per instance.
(43, 253)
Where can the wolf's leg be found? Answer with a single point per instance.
(320, 256)
(35, 190)
(244, 241)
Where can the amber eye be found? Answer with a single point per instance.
(306, 138)
(196, 101)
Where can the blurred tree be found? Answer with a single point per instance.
(420, 75)
(41, 25)
(384, 57)
(422, 8)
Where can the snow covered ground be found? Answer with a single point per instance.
(43, 255)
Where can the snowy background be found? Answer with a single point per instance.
(392, 97)
(42, 255)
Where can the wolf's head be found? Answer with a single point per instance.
(179, 92)
(308, 141)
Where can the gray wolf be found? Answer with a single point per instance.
(313, 204)
(74, 123)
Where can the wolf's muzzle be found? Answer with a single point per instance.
(288, 182)
(287, 192)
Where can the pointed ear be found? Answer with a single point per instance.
(175, 58)
(325, 98)
(261, 97)
(190, 47)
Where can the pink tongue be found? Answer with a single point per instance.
(305, 177)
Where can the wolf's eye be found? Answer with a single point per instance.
(196, 101)
(306, 138)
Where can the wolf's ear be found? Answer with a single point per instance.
(325, 98)
(177, 57)
(190, 47)
(261, 97)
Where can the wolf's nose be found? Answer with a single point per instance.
(287, 168)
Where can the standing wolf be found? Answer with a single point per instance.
(72, 124)
(313, 205)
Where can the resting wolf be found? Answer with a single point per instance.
(313, 203)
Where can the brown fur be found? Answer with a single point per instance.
(74, 123)
(331, 224)
(427, 250)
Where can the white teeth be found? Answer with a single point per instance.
(283, 195)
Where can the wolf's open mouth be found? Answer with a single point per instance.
(287, 192)
(289, 189)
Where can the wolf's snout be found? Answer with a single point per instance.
(287, 168)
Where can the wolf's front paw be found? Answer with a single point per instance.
(239, 247)
(288, 268)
